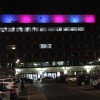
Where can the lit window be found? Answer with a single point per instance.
(73, 28)
(4, 29)
(45, 63)
(43, 46)
(43, 29)
(11, 29)
(19, 29)
(60, 62)
(51, 29)
(59, 29)
(81, 29)
(66, 28)
(13, 47)
(35, 29)
(27, 29)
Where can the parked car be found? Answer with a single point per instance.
(47, 80)
(61, 79)
(95, 81)
(66, 79)
(12, 86)
(71, 78)
(83, 79)
(4, 93)
(27, 80)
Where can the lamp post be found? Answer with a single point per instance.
(95, 56)
(68, 63)
(17, 62)
(96, 62)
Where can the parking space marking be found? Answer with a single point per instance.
(42, 94)
(91, 92)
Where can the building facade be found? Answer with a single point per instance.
(49, 37)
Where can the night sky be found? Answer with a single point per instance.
(50, 7)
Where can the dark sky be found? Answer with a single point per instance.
(49, 6)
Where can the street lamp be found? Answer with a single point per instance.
(95, 56)
(17, 62)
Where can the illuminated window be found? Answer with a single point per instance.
(73, 28)
(45, 63)
(27, 29)
(60, 62)
(3, 29)
(11, 29)
(81, 29)
(58, 29)
(19, 29)
(13, 47)
(51, 29)
(35, 29)
(66, 28)
(44, 46)
(43, 29)
(40, 29)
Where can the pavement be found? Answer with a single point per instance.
(85, 88)
(31, 93)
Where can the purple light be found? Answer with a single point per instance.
(25, 18)
(89, 19)
(58, 19)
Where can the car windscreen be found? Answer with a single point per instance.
(3, 88)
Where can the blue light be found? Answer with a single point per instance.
(43, 18)
(75, 18)
(8, 18)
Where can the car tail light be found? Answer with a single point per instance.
(12, 91)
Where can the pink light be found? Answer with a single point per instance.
(58, 18)
(25, 18)
(89, 18)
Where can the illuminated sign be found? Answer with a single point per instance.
(29, 18)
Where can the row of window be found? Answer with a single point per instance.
(50, 54)
(44, 64)
(50, 37)
(40, 29)
(42, 46)
(50, 46)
